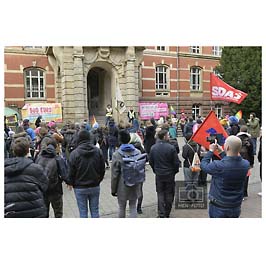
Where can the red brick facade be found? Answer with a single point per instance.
(176, 60)
(16, 61)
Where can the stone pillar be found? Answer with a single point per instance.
(67, 84)
(81, 111)
(131, 100)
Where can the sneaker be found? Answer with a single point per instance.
(260, 193)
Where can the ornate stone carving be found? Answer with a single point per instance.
(104, 52)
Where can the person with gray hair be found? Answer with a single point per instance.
(228, 178)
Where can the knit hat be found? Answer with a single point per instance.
(124, 136)
(83, 135)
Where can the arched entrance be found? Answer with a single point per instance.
(98, 91)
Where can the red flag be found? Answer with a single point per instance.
(221, 91)
(210, 127)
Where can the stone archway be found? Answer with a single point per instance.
(98, 90)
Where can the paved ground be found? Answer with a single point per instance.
(251, 208)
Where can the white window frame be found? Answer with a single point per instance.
(161, 48)
(162, 89)
(196, 111)
(218, 110)
(30, 91)
(197, 75)
(195, 49)
(217, 50)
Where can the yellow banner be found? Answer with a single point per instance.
(48, 111)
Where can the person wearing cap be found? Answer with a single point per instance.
(86, 172)
(28, 129)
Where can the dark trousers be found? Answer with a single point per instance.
(165, 193)
(202, 180)
(140, 199)
(57, 204)
(246, 186)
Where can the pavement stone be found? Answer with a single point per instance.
(251, 208)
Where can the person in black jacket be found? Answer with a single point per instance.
(86, 171)
(25, 184)
(246, 152)
(191, 178)
(165, 164)
(54, 193)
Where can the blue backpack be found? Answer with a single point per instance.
(133, 167)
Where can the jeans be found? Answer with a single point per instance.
(132, 208)
(254, 143)
(83, 195)
(57, 204)
(165, 195)
(111, 151)
(218, 212)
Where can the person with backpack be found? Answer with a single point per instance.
(191, 175)
(54, 193)
(127, 175)
(247, 153)
(165, 164)
(68, 132)
(25, 184)
(86, 172)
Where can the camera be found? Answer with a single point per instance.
(213, 137)
(191, 193)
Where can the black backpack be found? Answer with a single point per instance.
(244, 152)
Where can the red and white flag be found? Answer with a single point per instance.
(221, 91)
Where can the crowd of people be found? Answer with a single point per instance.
(38, 161)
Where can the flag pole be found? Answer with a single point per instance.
(211, 90)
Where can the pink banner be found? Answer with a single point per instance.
(155, 110)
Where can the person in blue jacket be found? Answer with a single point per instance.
(228, 178)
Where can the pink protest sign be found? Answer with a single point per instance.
(155, 110)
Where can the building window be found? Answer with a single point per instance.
(34, 83)
(160, 48)
(218, 110)
(195, 49)
(217, 50)
(161, 81)
(195, 111)
(195, 73)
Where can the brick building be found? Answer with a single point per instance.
(180, 76)
(85, 79)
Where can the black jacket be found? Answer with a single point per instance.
(25, 185)
(188, 153)
(247, 147)
(163, 159)
(149, 138)
(86, 166)
(47, 160)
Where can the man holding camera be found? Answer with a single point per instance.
(228, 177)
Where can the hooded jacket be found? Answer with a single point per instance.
(86, 166)
(47, 160)
(247, 147)
(25, 185)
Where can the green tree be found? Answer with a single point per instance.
(241, 68)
